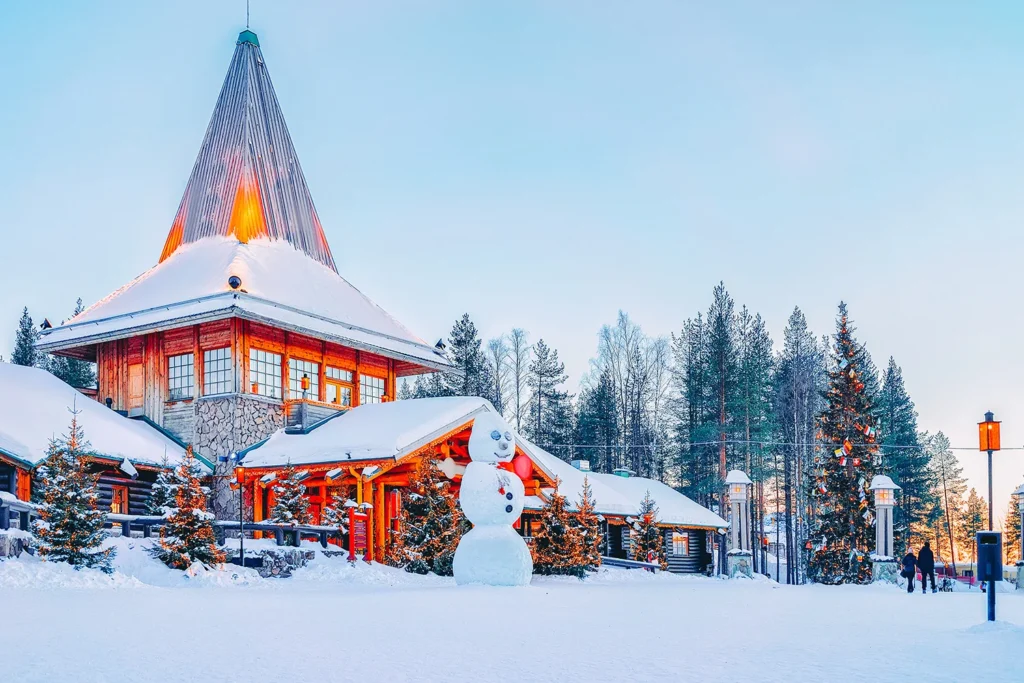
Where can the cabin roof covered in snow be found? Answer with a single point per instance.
(374, 431)
(279, 285)
(36, 406)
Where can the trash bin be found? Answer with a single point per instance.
(990, 556)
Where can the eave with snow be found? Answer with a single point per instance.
(370, 453)
(244, 325)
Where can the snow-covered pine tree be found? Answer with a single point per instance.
(557, 544)
(905, 460)
(1011, 533)
(335, 513)
(589, 527)
(433, 523)
(843, 534)
(648, 541)
(473, 377)
(164, 492)
(550, 412)
(74, 371)
(188, 535)
(71, 529)
(395, 552)
(25, 342)
(290, 503)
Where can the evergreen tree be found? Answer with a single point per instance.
(76, 372)
(843, 533)
(464, 348)
(648, 541)
(188, 536)
(25, 342)
(291, 505)
(588, 527)
(558, 546)
(950, 486)
(596, 424)
(71, 529)
(164, 493)
(905, 460)
(550, 413)
(395, 552)
(1011, 533)
(432, 524)
(335, 512)
(973, 520)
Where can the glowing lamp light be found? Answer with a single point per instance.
(255, 387)
(240, 474)
(988, 433)
(305, 382)
(738, 483)
(884, 489)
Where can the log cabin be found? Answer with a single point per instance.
(244, 325)
(370, 452)
(125, 453)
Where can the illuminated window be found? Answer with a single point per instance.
(296, 369)
(338, 387)
(680, 543)
(371, 389)
(119, 500)
(265, 373)
(180, 376)
(217, 375)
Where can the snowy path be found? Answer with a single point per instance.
(336, 624)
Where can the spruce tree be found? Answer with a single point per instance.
(71, 529)
(648, 541)
(432, 521)
(290, 505)
(950, 486)
(550, 414)
(974, 519)
(1011, 533)
(558, 546)
(843, 534)
(25, 342)
(164, 492)
(588, 527)
(335, 512)
(76, 372)
(905, 460)
(596, 424)
(464, 348)
(188, 536)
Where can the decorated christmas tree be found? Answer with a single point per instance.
(648, 541)
(395, 552)
(335, 512)
(290, 503)
(165, 490)
(432, 522)
(842, 537)
(188, 537)
(71, 529)
(558, 544)
(589, 527)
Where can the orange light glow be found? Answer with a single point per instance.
(988, 434)
(247, 220)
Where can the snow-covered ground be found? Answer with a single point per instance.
(333, 623)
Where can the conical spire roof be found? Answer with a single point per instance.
(247, 181)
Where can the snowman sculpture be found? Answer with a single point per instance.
(492, 552)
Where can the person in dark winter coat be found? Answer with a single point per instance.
(909, 570)
(926, 563)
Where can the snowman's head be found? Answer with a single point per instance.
(491, 439)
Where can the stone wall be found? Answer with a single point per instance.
(226, 425)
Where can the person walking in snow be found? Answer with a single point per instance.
(909, 569)
(926, 563)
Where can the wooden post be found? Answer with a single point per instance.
(380, 519)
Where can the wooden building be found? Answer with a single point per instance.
(370, 453)
(244, 325)
(126, 453)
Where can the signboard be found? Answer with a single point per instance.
(358, 528)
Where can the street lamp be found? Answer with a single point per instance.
(305, 386)
(988, 440)
(240, 483)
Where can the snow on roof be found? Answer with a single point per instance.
(737, 477)
(35, 407)
(673, 507)
(880, 481)
(279, 285)
(369, 432)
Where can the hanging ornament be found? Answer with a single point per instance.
(853, 374)
(822, 489)
(856, 462)
(847, 446)
(843, 363)
(870, 431)
(842, 461)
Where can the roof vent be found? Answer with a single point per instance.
(581, 465)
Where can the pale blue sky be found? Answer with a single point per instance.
(545, 164)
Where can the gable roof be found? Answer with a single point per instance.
(36, 407)
(247, 181)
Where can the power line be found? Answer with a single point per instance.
(737, 442)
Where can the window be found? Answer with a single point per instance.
(265, 373)
(180, 376)
(371, 389)
(296, 369)
(680, 543)
(217, 376)
(119, 499)
(338, 387)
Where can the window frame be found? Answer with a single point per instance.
(335, 378)
(295, 378)
(184, 379)
(223, 377)
(255, 374)
(368, 382)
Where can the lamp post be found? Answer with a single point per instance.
(739, 528)
(988, 440)
(883, 561)
(1019, 493)
(240, 482)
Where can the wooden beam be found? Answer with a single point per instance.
(380, 517)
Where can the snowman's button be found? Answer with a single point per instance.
(508, 508)
(509, 495)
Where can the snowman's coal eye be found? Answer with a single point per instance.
(508, 435)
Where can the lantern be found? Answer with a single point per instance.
(240, 474)
(255, 387)
(988, 433)
(885, 490)
(738, 483)
(305, 383)
(522, 466)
